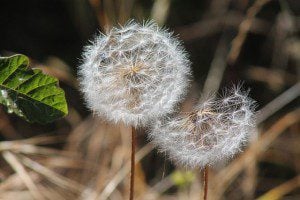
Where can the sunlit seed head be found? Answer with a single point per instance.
(215, 131)
(134, 74)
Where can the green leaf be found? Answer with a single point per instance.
(29, 93)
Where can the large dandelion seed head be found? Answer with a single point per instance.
(134, 74)
(215, 131)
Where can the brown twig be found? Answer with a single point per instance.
(133, 141)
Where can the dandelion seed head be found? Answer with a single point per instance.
(134, 73)
(215, 131)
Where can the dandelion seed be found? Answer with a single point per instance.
(215, 131)
(134, 74)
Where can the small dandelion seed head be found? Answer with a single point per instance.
(215, 131)
(134, 74)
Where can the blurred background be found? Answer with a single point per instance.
(83, 157)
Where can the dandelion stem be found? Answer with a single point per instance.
(205, 182)
(133, 142)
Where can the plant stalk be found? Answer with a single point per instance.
(205, 183)
(133, 143)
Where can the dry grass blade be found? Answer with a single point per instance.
(10, 182)
(276, 79)
(227, 175)
(111, 186)
(52, 176)
(199, 29)
(80, 133)
(281, 190)
(16, 195)
(160, 11)
(159, 188)
(278, 103)
(125, 10)
(67, 163)
(44, 139)
(217, 68)
(50, 193)
(6, 127)
(250, 180)
(100, 12)
(244, 29)
(32, 149)
(24, 176)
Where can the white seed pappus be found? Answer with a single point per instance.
(134, 74)
(215, 131)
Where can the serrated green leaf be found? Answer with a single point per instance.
(29, 93)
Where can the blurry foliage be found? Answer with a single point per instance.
(182, 178)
